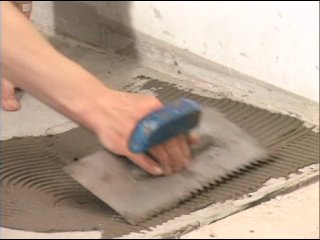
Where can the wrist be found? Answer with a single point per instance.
(91, 112)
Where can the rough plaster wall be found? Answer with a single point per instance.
(276, 42)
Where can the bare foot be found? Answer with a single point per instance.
(9, 102)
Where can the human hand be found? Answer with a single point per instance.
(74, 92)
(120, 113)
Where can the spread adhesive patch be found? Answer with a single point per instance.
(36, 195)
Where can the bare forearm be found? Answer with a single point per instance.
(31, 63)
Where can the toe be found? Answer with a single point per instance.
(10, 104)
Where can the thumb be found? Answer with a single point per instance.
(193, 138)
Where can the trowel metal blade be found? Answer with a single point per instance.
(137, 196)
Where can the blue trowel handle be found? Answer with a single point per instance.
(173, 119)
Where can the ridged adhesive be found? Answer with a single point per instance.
(36, 195)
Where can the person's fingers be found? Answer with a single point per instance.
(192, 138)
(159, 153)
(175, 153)
(173, 156)
(145, 163)
(185, 149)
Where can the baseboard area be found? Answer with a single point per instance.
(192, 70)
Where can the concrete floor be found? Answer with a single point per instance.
(294, 215)
(291, 216)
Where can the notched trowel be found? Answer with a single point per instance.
(223, 149)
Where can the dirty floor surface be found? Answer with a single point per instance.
(295, 215)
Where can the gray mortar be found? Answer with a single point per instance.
(109, 67)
